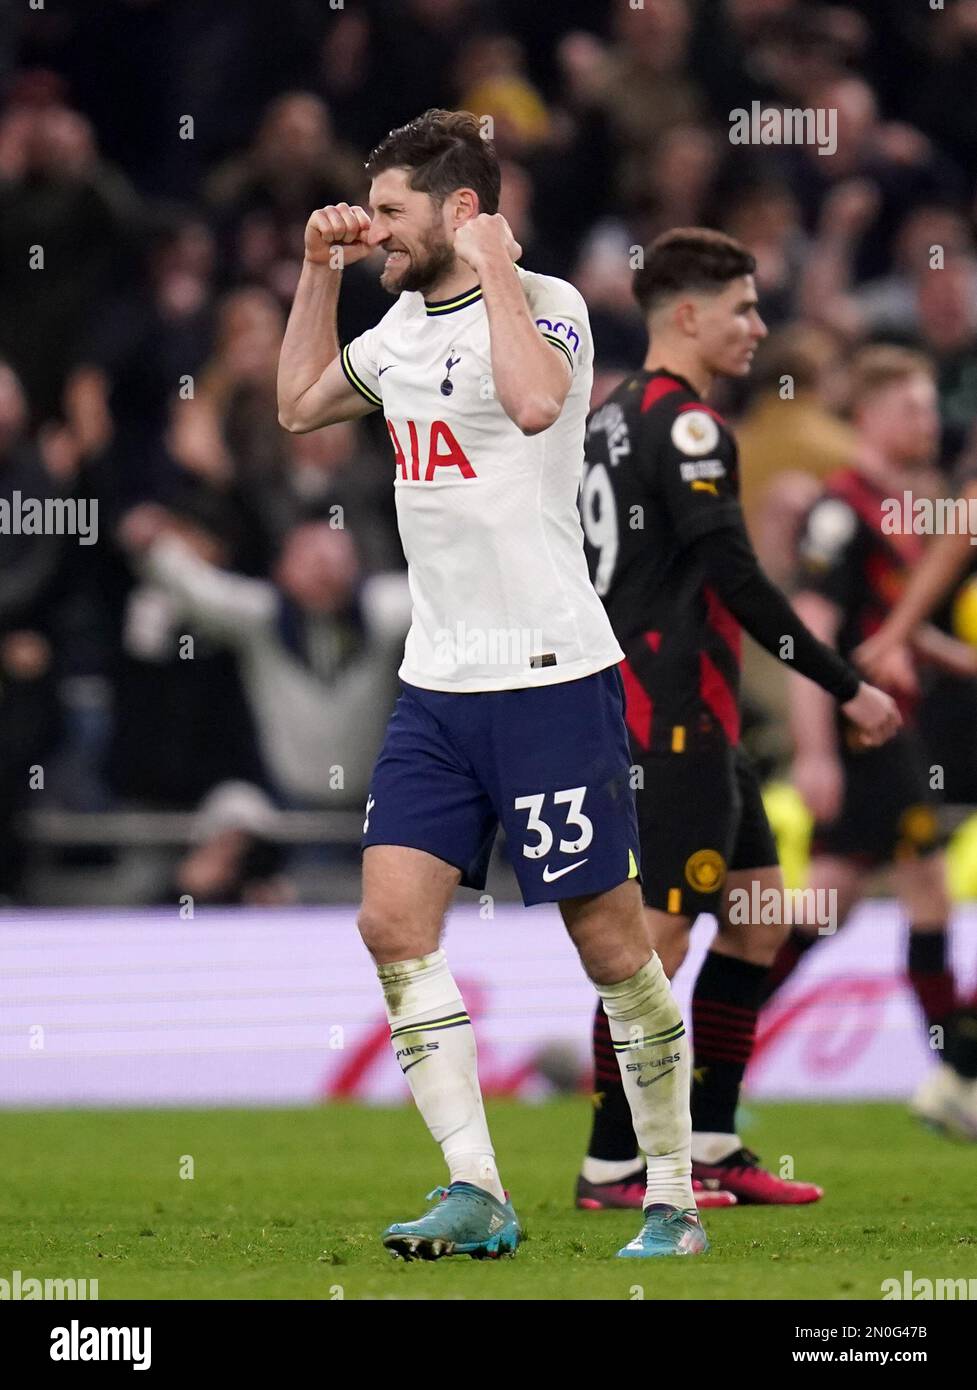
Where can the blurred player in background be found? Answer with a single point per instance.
(483, 371)
(945, 564)
(670, 556)
(877, 809)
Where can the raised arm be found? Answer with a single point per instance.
(313, 389)
(531, 378)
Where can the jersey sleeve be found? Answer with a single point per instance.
(560, 314)
(826, 550)
(691, 461)
(360, 363)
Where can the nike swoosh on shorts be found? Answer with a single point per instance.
(549, 877)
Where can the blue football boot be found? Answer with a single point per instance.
(667, 1231)
(465, 1221)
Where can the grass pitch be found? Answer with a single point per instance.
(290, 1203)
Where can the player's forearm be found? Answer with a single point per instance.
(812, 711)
(932, 580)
(765, 613)
(530, 377)
(229, 606)
(948, 653)
(310, 344)
(812, 719)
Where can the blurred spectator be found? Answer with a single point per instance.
(604, 275)
(889, 305)
(67, 227)
(765, 217)
(235, 858)
(771, 50)
(646, 84)
(941, 98)
(675, 187)
(790, 439)
(182, 723)
(516, 204)
(318, 649)
(947, 308)
(262, 198)
(33, 580)
(143, 345)
(897, 162)
(493, 81)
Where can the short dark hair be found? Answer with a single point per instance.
(689, 258)
(444, 151)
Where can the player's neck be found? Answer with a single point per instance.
(665, 359)
(454, 283)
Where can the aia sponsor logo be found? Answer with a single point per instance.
(439, 449)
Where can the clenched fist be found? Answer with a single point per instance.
(337, 225)
(486, 237)
(875, 716)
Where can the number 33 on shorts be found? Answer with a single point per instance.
(573, 818)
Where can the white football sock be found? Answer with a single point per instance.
(434, 1045)
(708, 1147)
(611, 1169)
(649, 1038)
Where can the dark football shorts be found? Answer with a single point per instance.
(699, 816)
(551, 764)
(889, 811)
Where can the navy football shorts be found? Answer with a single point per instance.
(551, 764)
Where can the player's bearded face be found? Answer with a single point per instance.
(416, 260)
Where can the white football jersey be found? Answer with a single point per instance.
(487, 515)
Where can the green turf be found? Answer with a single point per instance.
(289, 1204)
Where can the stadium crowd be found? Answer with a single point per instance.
(230, 643)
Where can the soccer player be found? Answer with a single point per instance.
(877, 809)
(944, 564)
(671, 559)
(512, 705)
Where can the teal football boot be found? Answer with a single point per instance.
(667, 1231)
(465, 1221)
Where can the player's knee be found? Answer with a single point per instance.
(756, 943)
(388, 935)
(615, 952)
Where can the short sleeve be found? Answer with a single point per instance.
(560, 314)
(695, 470)
(361, 365)
(825, 550)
